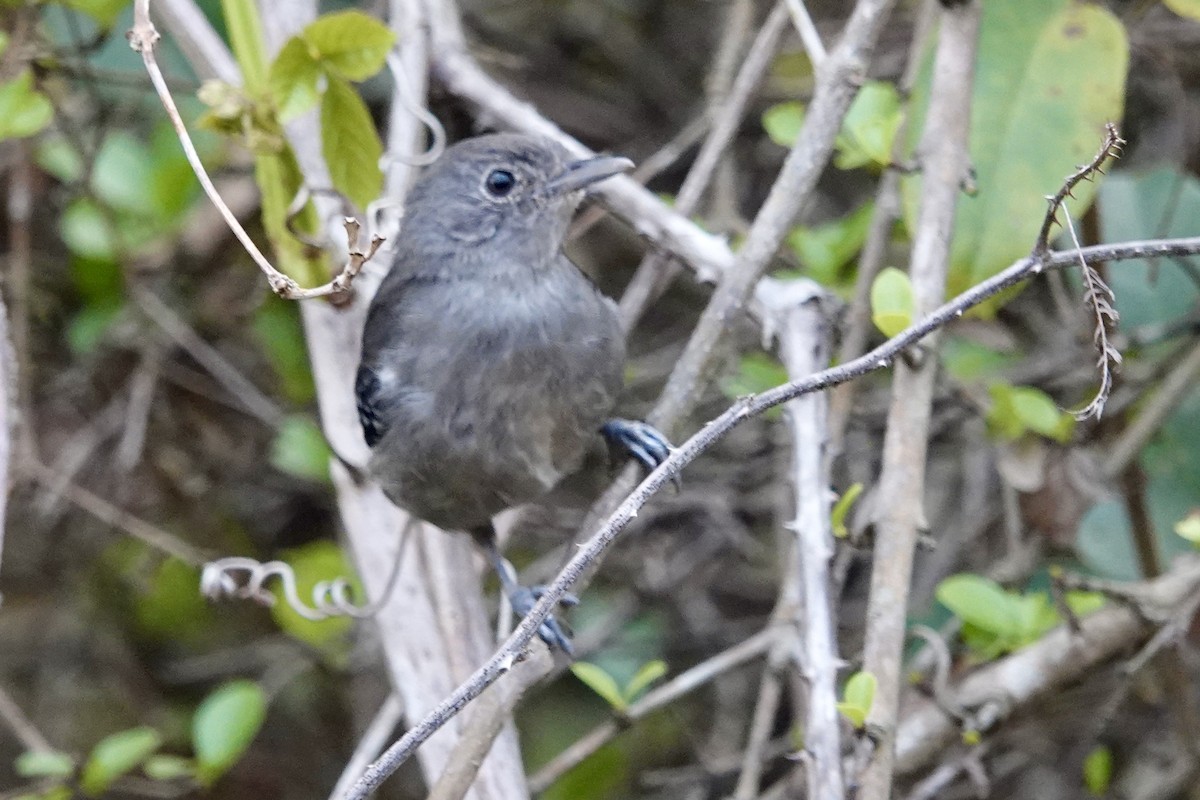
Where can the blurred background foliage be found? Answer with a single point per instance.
(165, 393)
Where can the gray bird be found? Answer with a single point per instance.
(489, 361)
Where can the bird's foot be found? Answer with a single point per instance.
(551, 631)
(641, 440)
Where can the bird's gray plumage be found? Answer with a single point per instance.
(489, 360)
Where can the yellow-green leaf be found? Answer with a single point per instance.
(116, 755)
(841, 509)
(857, 698)
(23, 110)
(1189, 527)
(105, 12)
(293, 79)
(891, 301)
(825, 249)
(35, 764)
(1097, 771)
(224, 726)
(870, 127)
(600, 682)
(1185, 8)
(350, 43)
(350, 144)
(782, 122)
(646, 675)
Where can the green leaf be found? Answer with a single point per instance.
(1049, 75)
(116, 755)
(601, 683)
(1084, 603)
(1185, 8)
(300, 449)
(825, 249)
(757, 372)
(1016, 410)
(246, 39)
(857, 698)
(1097, 771)
(314, 563)
(224, 726)
(350, 43)
(1041, 415)
(1189, 527)
(277, 327)
(981, 602)
(59, 158)
(293, 78)
(32, 764)
(350, 143)
(966, 360)
(870, 127)
(105, 12)
(891, 301)
(23, 110)
(841, 509)
(89, 327)
(646, 675)
(168, 768)
(782, 122)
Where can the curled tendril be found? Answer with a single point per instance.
(245, 579)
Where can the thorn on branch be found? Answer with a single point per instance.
(1110, 148)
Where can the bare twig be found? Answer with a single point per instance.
(373, 739)
(142, 38)
(900, 500)
(807, 30)
(106, 512)
(21, 726)
(182, 334)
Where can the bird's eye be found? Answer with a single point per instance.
(499, 182)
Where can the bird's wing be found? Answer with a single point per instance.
(371, 413)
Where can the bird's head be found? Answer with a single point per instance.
(510, 191)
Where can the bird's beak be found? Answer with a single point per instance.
(582, 174)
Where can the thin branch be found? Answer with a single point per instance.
(900, 499)
(22, 727)
(373, 739)
(106, 512)
(142, 38)
(807, 30)
(1110, 148)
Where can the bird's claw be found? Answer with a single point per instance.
(642, 441)
(551, 631)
